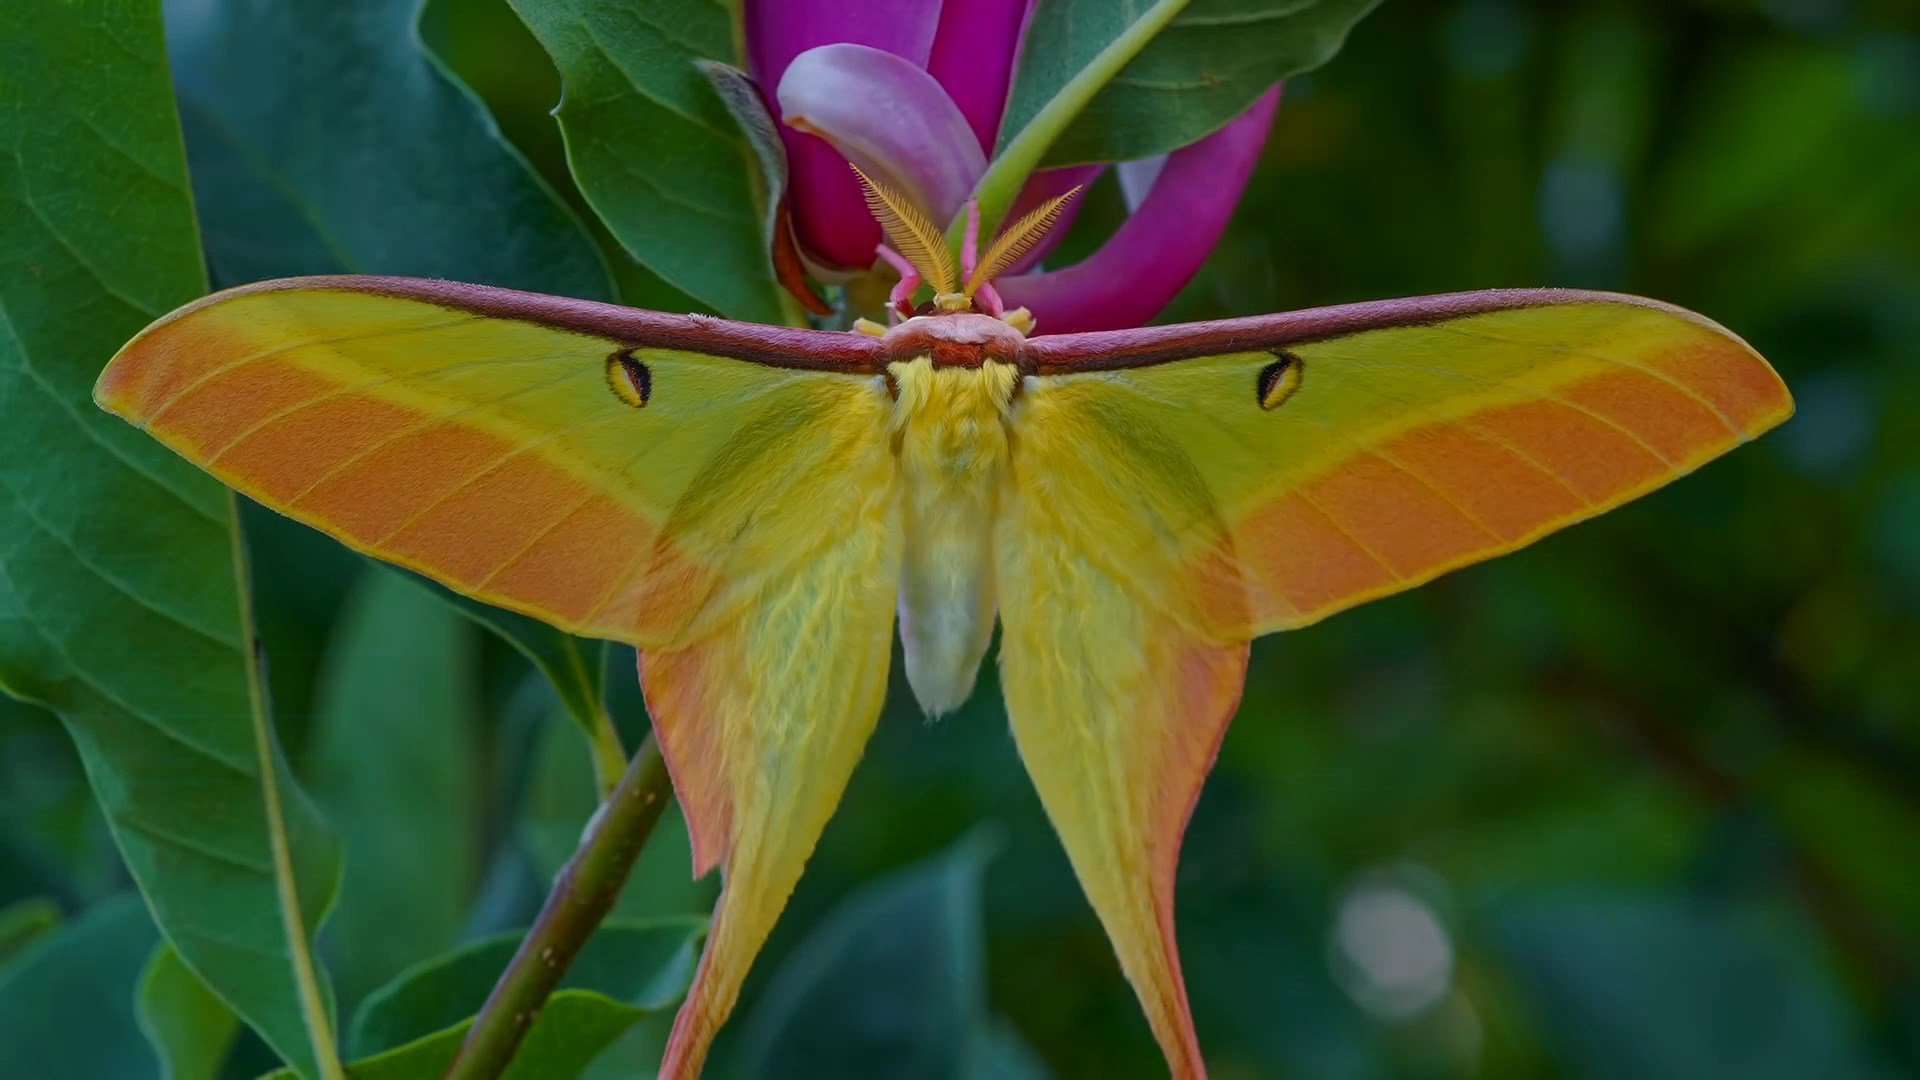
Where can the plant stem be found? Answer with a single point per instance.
(586, 705)
(306, 976)
(582, 895)
(1018, 159)
(609, 757)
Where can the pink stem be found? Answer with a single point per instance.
(990, 300)
(970, 243)
(900, 300)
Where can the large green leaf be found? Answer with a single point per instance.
(489, 48)
(1833, 807)
(553, 815)
(891, 984)
(54, 843)
(301, 580)
(66, 1008)
(392, 764)
(629, 971)
(122, 599)
(1118, 81)
(573, 666)
(1753, 127)
(1656, 987)
(325, 139)
(573, 1027)
(1001, 1053)
(22, 923)
(654, 150)
(645, 963)
(190, 1029)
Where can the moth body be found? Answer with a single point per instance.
(952, 438)
(955, 339)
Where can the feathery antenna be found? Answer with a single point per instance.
(911, 233)
(1017, 239)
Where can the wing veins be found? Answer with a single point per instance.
(342, 390)
(207, 376)
(1568, 350)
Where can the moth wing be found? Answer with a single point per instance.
(617, 473)
(1179, 491)
(763, 719)
(1280, 469)
(1118, 710)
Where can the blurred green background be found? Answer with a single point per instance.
(1642, 800)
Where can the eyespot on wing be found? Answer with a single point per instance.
(630, 379)
(1278, 380)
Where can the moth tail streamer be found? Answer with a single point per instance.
(1118, 729)
(761, 723)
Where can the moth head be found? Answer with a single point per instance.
(918, 249)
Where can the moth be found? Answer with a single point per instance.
(752, 506)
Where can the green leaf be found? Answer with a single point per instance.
(1001, 1053)
(122, 598)
(397, 170)
(636, 1053)
(55, 843)
(645, 963)
(892, 983)
(1115, 82)
(392, 764)
(573, 1027)
(22, 923)
(1755, 125)
(1833, 807)
(555, 808)
(189, 1028)
(572, 665)
(741, 95)
(65, 1007)
(1654, 987)
(654, 150)
(629, 970)
(301, 580)
(324, 138)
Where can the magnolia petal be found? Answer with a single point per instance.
(1146, 261)
(829, 214)
(890, 118)
(973, 55)
(779, 30)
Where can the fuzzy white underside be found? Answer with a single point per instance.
(951, 430)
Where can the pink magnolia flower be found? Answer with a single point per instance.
(912, 91)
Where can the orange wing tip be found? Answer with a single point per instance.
(1693, 392)
(110, 393)
(117, 388)
(166, 356)
(1725, 371)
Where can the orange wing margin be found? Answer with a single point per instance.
(1409, 437)
(497, 442)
